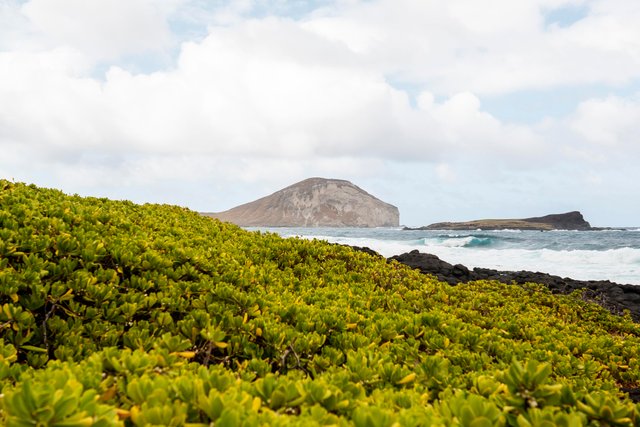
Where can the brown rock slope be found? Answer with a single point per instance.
(314, 202)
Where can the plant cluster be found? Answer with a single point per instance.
(113, 313)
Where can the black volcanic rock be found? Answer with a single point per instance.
(612, 296)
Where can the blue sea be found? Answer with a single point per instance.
(584, 255)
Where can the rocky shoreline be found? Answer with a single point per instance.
(614, 297)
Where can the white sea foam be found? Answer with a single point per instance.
(618, 265)
(600, 255)
(455, 242)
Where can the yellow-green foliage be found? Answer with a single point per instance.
(112, 313)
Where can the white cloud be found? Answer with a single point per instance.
(13, 26)
(489, 48)
(45, 103)
(233, 12)
(610, 123)
(445, 173)
(478, 134)
(344, 92)
(102, 29)
(262, 89)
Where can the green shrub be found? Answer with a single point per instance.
(113, 313)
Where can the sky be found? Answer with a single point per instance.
(450, 110)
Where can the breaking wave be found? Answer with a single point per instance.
(600, 255)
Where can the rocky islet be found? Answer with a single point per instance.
(565, 221)
(314, 202)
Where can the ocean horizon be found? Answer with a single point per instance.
(583, 255)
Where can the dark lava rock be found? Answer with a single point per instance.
(613, 296)
(566, 221)
(634, 393)
(366, 250)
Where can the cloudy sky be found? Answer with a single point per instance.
(450, 110)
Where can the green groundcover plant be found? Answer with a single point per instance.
(114, 314)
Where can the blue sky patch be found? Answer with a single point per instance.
(565, 16)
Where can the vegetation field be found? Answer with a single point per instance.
(113, 313)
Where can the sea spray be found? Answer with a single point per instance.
(586, 255)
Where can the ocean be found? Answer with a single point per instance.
(585, 255)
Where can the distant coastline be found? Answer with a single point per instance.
(564, 221)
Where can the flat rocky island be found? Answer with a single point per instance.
(564, 221)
